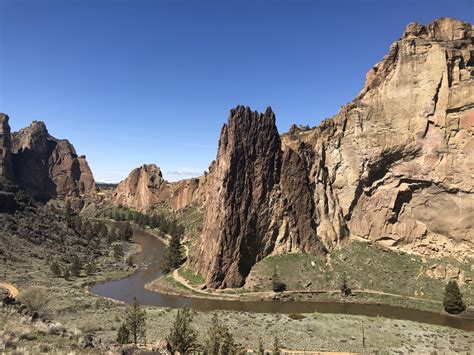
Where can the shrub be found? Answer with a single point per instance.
(36, 300)
(277, 284)
(55, 269)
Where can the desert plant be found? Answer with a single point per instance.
(36, 300)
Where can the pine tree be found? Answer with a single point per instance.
(452, 301)
(182, 337)
(89, 269)
(212, 339)
(118, 251)
(123, 334)
(219, 340)
(76, 266)
(127, 232)
(173, 256)
(55, 269)
(136, 321)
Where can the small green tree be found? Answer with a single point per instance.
(452, 301)
(345, 290)
(182, 337)
(89, 269)
(123, 334)
(76, 266)
(218, 339)
(67, 274)
(130, 261)
(136, 321)
(173, 256)
(277, 284)
(127, 232)
(118, 251)
(55, 269)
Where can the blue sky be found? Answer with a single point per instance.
(142, 81)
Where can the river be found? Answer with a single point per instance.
(134, 286)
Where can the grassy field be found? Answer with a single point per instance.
(365, 267)
(74, 313)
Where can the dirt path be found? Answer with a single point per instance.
(178, 278)
(11, 289)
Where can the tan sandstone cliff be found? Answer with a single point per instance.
(395, 166)
(145, 188)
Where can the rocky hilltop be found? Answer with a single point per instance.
(394, 166)
(145, 188)
(42, 166)
(7, 176)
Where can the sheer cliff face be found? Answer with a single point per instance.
(394, 166)
(7, 176)
(46, 167)
(247, 213)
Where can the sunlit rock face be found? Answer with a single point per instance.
(394, 166)
(46, 167)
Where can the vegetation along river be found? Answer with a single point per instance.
(134, 286)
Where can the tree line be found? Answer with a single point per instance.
(166, 225)
(183, 337)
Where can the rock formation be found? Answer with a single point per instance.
(258, 198)
(7, 177)
(145, 188)
(46, 167)
(394, 166)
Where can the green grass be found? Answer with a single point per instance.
(194, 278)
(365, 267)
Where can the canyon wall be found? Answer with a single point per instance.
(42, 166)
(145, 188)
(394, 166)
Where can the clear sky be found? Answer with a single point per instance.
(142, 81)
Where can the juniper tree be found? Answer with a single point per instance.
(55, 269)
(173, 256)
(219, 340)
(136, 321)
(452, 301)
(182, 337)
(76, 266)
(123, 334)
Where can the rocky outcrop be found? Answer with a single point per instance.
(145, 188)
(247, 213)
(188, 191)
(7, 177)
(394, 166)
(46, 167)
